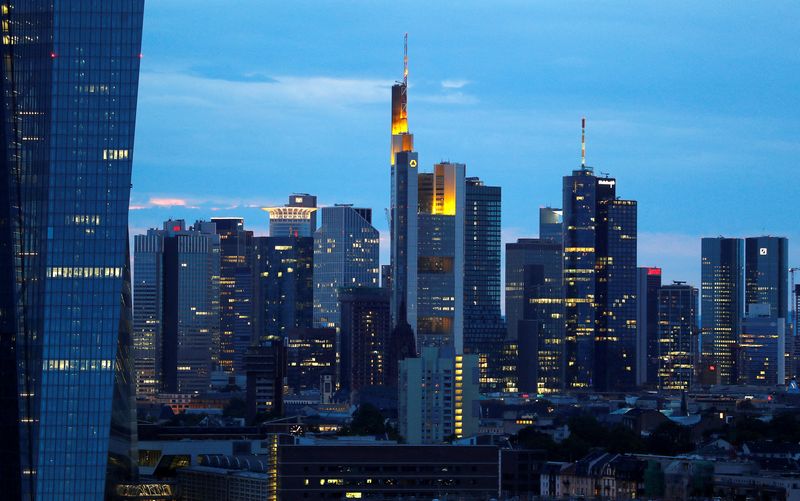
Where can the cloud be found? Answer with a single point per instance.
(167, 202)
(454, 84)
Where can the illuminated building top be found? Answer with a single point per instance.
(402, 140)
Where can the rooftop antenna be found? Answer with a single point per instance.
(583, 142)
(405, 59)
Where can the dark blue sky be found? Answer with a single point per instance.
(692, 106)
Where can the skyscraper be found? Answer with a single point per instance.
(440, 257)
(722, 304)
(761, 347)
(365, 329)
(484, 330)
(235, 292)
(767, 274)
(284, 285)
(599, 283)
(178, 280)
(345, 255)
(677, 336)
(66, 420)
(648, 283)
(311, 355)
(536, 296)
(298, 218)
(551, 225)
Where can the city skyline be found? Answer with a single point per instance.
(659, 116)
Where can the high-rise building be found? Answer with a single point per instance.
(599, 283)
(438, 396)
(346, 248)
(648, 283)
(284, 285)
(766, 274)
(534, 294)
(235, 292)
(761, 347)
(311, 355)
(176, 313)
(722, 304)
(551, 225)
(70, 82)
(484, 330)
(440, 257)
(677, 336)
(265, 369)
(298, 218)
(403, 207)
(365, 329)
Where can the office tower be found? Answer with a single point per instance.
(311, 355)
(440, 257)
(766, 274)
(648, 283)
(346, 248)
(551, 224)
(438, 396)
(599, 283)
(761, 347)
(403, 207)
(484, 330)
(265, 367)
(235, 292)
(722, 304)
(176, 313)
(365, 329)
(67, 425)
(677, 335)
(536, 297)
(401, 345)
(284, 285)
(298, 218)
(386, 276)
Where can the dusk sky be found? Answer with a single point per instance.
(692, 106)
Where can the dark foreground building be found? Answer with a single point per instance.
(387, 472)
(69, 87)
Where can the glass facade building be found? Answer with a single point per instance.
(536, 296)
(766, 274)
(71, 71)
(677, 336)
(648, 283)
(761, 353)
(346, 248)
(284, 285)
(366, 325)
(235, 292)
(298, 218)
(722, 304)
(484, 329)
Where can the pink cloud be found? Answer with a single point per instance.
(167, 202)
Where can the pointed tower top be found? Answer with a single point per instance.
(405, 59)
(583, 142)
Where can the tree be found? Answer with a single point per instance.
(367, 420)
(236, 407)
(670, 439)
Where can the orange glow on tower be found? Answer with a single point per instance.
(401, 139)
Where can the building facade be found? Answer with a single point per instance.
(284, 285)
(346, 248)
(677, 334)
(438, 397)
(265, 368)
(762, 348)
(365, 330)
(298, 218)
(179, 280)
(722, 304)
(65, 299)
(236, 292)
(648, 284)
(311, 355)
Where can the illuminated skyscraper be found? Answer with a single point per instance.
(722, 304)
(551, 224)
(534, 295)
(176, 313)
(648, 282)
(70, 83)
(761, 347)
(284, 285)
(235, 292)
(346, 248)
(767, 274)
(599, 283)
(484, 329)
(676, 336)
(298, 218)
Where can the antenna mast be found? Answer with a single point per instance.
(405, 60)
(583, 142)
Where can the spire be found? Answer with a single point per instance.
(583, 142)
(405, 60)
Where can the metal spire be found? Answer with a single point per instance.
(583, 142)
(405, 60)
